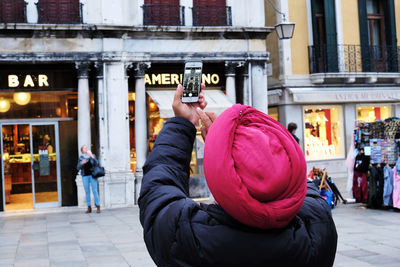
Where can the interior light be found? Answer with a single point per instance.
(22, 98)
(4, 105)
(152, 106)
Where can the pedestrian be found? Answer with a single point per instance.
(292, 127)
(85, 164)
(265, 212)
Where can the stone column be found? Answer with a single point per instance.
(230, 74)
(117, 186)
(246, 86)
(84, 137)
(101, 105)
(259, 85)
(140, 123)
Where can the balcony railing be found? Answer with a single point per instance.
(68, 12)
(353, 58)
(12, 11)
(171, 15)
(212, 16)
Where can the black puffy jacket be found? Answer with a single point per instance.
(180, 232)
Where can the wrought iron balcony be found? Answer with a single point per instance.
(12, 11)
(353, 58)
(169, 15)
(212, 16)
(53, 11)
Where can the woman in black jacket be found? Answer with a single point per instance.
(86, 162)
(181, 232)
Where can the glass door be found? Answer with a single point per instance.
(16, 163)
(45, 165)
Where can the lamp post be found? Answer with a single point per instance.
(285, 29)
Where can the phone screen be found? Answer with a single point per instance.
(191, 82)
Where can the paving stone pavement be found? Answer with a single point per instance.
(68, 237)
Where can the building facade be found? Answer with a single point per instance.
(103, 73)
(340, 67)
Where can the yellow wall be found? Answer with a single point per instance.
(299, 42)
(397, 14)
(351, 28)
(272, 40)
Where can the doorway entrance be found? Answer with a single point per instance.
(30, 165)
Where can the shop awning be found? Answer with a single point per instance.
(216, 99)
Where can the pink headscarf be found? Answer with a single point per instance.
(254, 168)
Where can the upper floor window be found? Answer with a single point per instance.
(12, 11)
(59, 11)
(324, 52)
(211, 13)
(378, 35)
(163, 12)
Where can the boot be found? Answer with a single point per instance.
(89, 209)
(98, 209)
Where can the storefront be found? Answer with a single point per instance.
(38, 123)
(161, 81)
(326, 118)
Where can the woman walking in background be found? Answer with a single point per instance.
(85, 164)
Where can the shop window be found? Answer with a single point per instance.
(323, 132)
(373, 113)
(273, 113)
(24, 105)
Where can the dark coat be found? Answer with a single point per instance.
(86, 169)
(180, 232)
(361, 163)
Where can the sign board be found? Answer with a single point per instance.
(31, 78)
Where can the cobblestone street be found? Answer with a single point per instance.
(68, 237)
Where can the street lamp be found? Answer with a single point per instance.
(285, 29)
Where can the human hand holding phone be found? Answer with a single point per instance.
(188, 111)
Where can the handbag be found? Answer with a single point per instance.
(98, 171)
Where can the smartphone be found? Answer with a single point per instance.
(192, 81)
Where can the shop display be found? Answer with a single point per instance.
(323, 132)
(373, 113)
(375, 172)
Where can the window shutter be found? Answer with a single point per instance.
(314, 22)
(331, 36)
(12, 11)
(362, 17)
(59, 11)
(163, 12)
(390, 34)
(209, 12)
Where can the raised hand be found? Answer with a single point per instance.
(188, 110)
